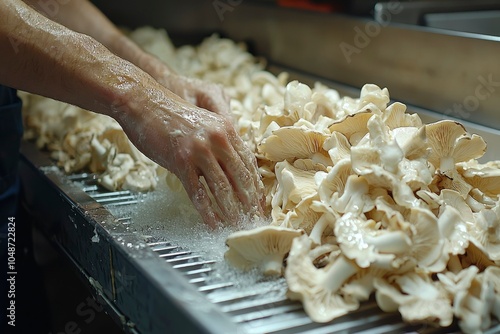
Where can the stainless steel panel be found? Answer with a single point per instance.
(454, 74)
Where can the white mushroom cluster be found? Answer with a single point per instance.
(389, 207)
(81, 140)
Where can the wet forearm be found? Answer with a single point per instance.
(82, 16)
(43, 57)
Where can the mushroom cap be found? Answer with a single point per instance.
(395, 116)
(454, 181)
(476, 255)
(297, 96)
(486, 230)
(492, 277)
(338, 147)
(360, 240)
(485, 177)
(353, 127)
(294, 185)
(417, 298)
(451, 143)
(371, 93)
(264, 247)
(335, 181)
(461, 281)
(293, 142)
(412, 141)
(302, 216)
(318, 289)
(355, 197)
(453, 230)
(442, 136)
(473, 304)
(427, 243)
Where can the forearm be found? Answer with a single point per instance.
(82, 16)
(45, 58)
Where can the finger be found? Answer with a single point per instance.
(222, 191)
(217, 102)
(240, 176)
(199, 197)
(250, 162)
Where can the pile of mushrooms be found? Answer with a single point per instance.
(384, 204)
(80, 140)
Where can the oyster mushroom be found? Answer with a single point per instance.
(388, 213)
(334, 181)
(294, 185)
(264, 247)
(475, 255)
(119, 166)
(99, 152)
(353, 127)
(455, 282)
(473, 305)
(302, 216)
(485, 177)
(309, 165)
(319, 289)
(325, 99)
(395, 116)
(326, 220)
(355, 197)
(412, 141)
(416, 297)
(402, 194)
(141, 179)
(492, 276)
(297, 97)
(338, 147)
(453, 228)
(361, 241)
(379, 158)
(427, 242)
(295, 143)
(486, 230)
(450, 143)
(371, 93)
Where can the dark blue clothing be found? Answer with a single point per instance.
(11, 130)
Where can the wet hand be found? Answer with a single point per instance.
(206, 153)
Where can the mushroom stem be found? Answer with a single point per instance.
(395, 242)
(446, 164)
(447, 221)
(338, 273)
(318, 229)
(454, 264)
(272, 264)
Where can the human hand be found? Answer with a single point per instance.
(197, 144)
(201, 93)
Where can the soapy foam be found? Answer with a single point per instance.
(164, 215)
